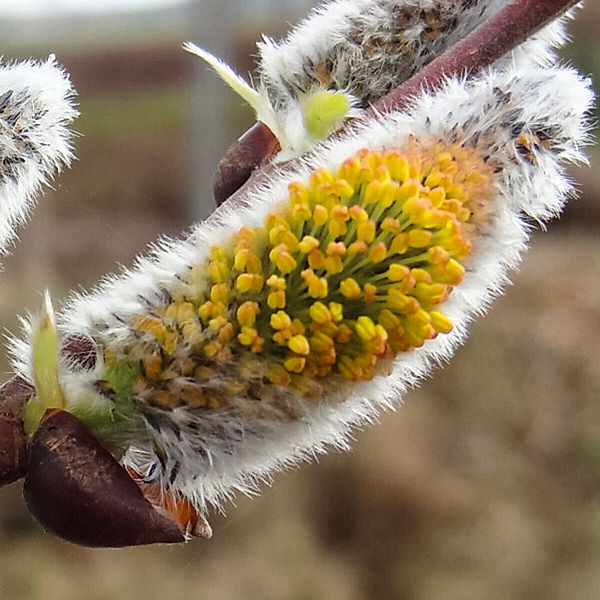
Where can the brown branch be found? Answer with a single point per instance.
(505, 31)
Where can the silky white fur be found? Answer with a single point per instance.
(368, 50)
(212, 454)
(36, 107)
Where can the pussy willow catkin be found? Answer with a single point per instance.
(276, 327)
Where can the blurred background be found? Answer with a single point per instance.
(484, 485)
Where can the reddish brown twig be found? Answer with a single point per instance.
(245, 161)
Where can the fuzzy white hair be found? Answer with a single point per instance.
(36, 107)
(366, 48)
(527, 121)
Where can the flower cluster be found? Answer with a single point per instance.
(353, 268)
(283, 322)
(36, 108)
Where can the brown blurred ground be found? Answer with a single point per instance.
(484, 485)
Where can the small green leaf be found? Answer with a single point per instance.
(324, 112)
(44, 344)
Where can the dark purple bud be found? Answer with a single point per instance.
(13, 440)
(78, 491)
(81, 352)
(256, 147)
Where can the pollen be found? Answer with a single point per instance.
(352, 269)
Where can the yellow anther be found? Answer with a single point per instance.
(421, 275)
(433, 179)
(281, 337)
(397, 166)
(171, 312)
(226, 333)
(337, 311)
(308, 244)
(319, 313)
(277, 283)
(290, 241)
(316, 259)
(247, 336)
(408, 189)
(388, 319)
(365, 231)
(337, 228)
(390, 225)
(249, 282)
(358, 213)
(218, 293)
(437, 196)
(155, 327)
(339, 212)
(342, 189)
(399, 244)
(349, 171)
(454, 272)
(336, 249)
(273, 220)
(441, 323)
(276, 299)
(365, 328)
(216, 323)
(301, 212)
(257, 344)
(211, 349)
(402, 303)
(319, 176)
(282, 259)
(357, 248)
(246, 313)
(444, 157)
(245, 237)
(299, 345)
(430, 294)
(370, 292)
(377, 344)
(218, 271)
(437, 255)
(297, 191)
(333, 265)
(349, 288)
(419, 238)
(317, 286)
(320, 215)
(246, 259)
(294, 364)
(397, 272)
(280, 320)
(217, 253)
(205, 311)
(372, 192)
(377, 252)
